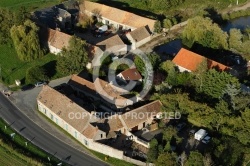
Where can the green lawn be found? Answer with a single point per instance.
(10, 157)
(17, 152)
(12, 68)
(29, 4)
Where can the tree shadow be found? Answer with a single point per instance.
(213, 14)
(50, 68)
(127, 7)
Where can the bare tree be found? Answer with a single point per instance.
(182, 158)
(207, 160)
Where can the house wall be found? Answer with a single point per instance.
(60, 122)
(106, 150)
(140, 43)
(137, 44)
(54, 50)
(110, 22)
(182, 69)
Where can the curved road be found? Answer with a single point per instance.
(41, 138)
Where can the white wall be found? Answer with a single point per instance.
(54, 50)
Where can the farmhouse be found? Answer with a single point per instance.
(100, 90)
(139, 36)
(113, 44)
(189, 61)
(130, 75)
(65, 113)
(117, 18)
(57, 41)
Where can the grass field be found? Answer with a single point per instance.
(16, 151)
(12, 68)
(11, 157)
(29, 4)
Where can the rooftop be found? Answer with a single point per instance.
(62, 106)
(58, 39)
(117, 15)
(140, 33)
(131, 74)
(112, 123)
(141, 114)
(190, 61)
(111, 44)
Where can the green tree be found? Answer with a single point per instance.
(139, 64)
(195, 159)
(168, 159)
(157, 27)
(167, 23)
(153, 150)
(74, 58)
(167, 66)
(205, 32)
(6, 22)
(26, 41)
(214, 83)
(235, 39)
(21, 15)
(154, 59)
(35, 74)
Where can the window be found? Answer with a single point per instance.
(75, 134)
(107, 22)
(85, 142)
(51, 117)
(56, 121)
(66, 127)
(101, 135)
(45, 111)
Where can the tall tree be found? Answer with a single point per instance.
(26, 41)
(205, 32)
(168, 159)
(74, 58)
(35, 74)
(6, 22)
(195, 159)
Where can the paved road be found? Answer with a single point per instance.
(41, 138)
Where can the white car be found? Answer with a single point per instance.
(38, 84)
(206, 140)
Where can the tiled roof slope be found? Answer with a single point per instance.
(117, 15)
(111, 44)
(58, 39)
(141, 114)
(62, 106)
(190, 61)
(131, 74)
(140, 33)
(113, 123)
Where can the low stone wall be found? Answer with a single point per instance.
(109, 151)
(137, 162)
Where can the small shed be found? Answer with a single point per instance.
(200, 134)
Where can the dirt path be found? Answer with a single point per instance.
(236, 8)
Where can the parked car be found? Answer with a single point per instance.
(7, 93)
(180, 126)
(38, 84)
(206, 140)
(27, 87)
(192, 132)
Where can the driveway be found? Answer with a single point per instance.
(26, 102)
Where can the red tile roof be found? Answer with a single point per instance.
(131, 74)
(117, 15)
(190, 61)
(58, 39)
(141, 114)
